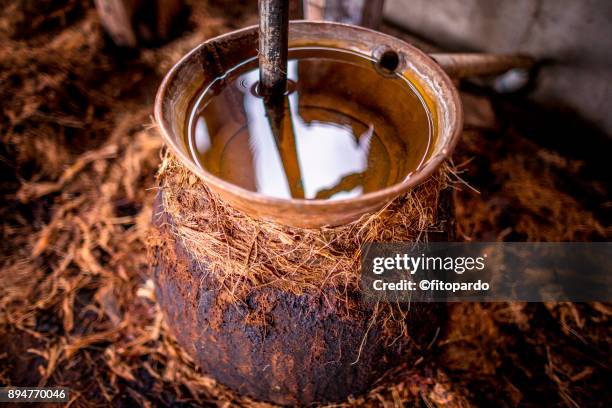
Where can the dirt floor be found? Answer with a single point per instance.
(78, 159)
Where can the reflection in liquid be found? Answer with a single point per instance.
(320, 141)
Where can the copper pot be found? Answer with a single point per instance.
(280, 366)
(205, 62)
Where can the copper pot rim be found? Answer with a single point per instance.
(384, 194)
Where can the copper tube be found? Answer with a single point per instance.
(465, 65)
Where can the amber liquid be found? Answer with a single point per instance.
(345, 128)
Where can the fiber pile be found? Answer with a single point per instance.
(246, 253)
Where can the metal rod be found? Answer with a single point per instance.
(273, 42)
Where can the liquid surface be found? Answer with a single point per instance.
(344, 128)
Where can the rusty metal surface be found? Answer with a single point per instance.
(273, 42)
(277, 346)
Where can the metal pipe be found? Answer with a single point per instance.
(273, 43)
(464, 65)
